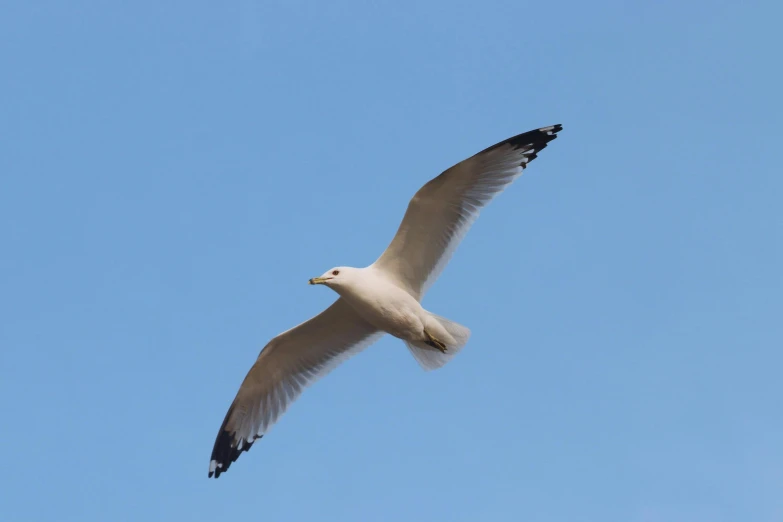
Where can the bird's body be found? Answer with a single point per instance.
(383, 304)
(381, 298)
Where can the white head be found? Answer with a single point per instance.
(335, 277)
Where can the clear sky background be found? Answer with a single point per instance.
(172, 173)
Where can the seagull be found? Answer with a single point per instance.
(381, 298)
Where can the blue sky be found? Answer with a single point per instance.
(174, 172)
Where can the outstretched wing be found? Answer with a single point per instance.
(288, 363)
(442, 211)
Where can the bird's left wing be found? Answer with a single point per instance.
(443, 210)
(287, 364)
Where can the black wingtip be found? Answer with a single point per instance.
(227, 449)
(536, 139)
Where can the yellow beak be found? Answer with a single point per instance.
(318, 280)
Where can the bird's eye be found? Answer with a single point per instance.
(335, 272)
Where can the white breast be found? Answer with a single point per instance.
(385, 305)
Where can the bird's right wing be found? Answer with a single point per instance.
(287, 364)
(442, 211)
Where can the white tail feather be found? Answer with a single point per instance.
(431, 358)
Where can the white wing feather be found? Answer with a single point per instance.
(286, 365)
(442, 211)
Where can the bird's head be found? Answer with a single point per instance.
(334, 277)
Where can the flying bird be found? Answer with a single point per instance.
(381, 298)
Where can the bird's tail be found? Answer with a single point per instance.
(452, 334)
